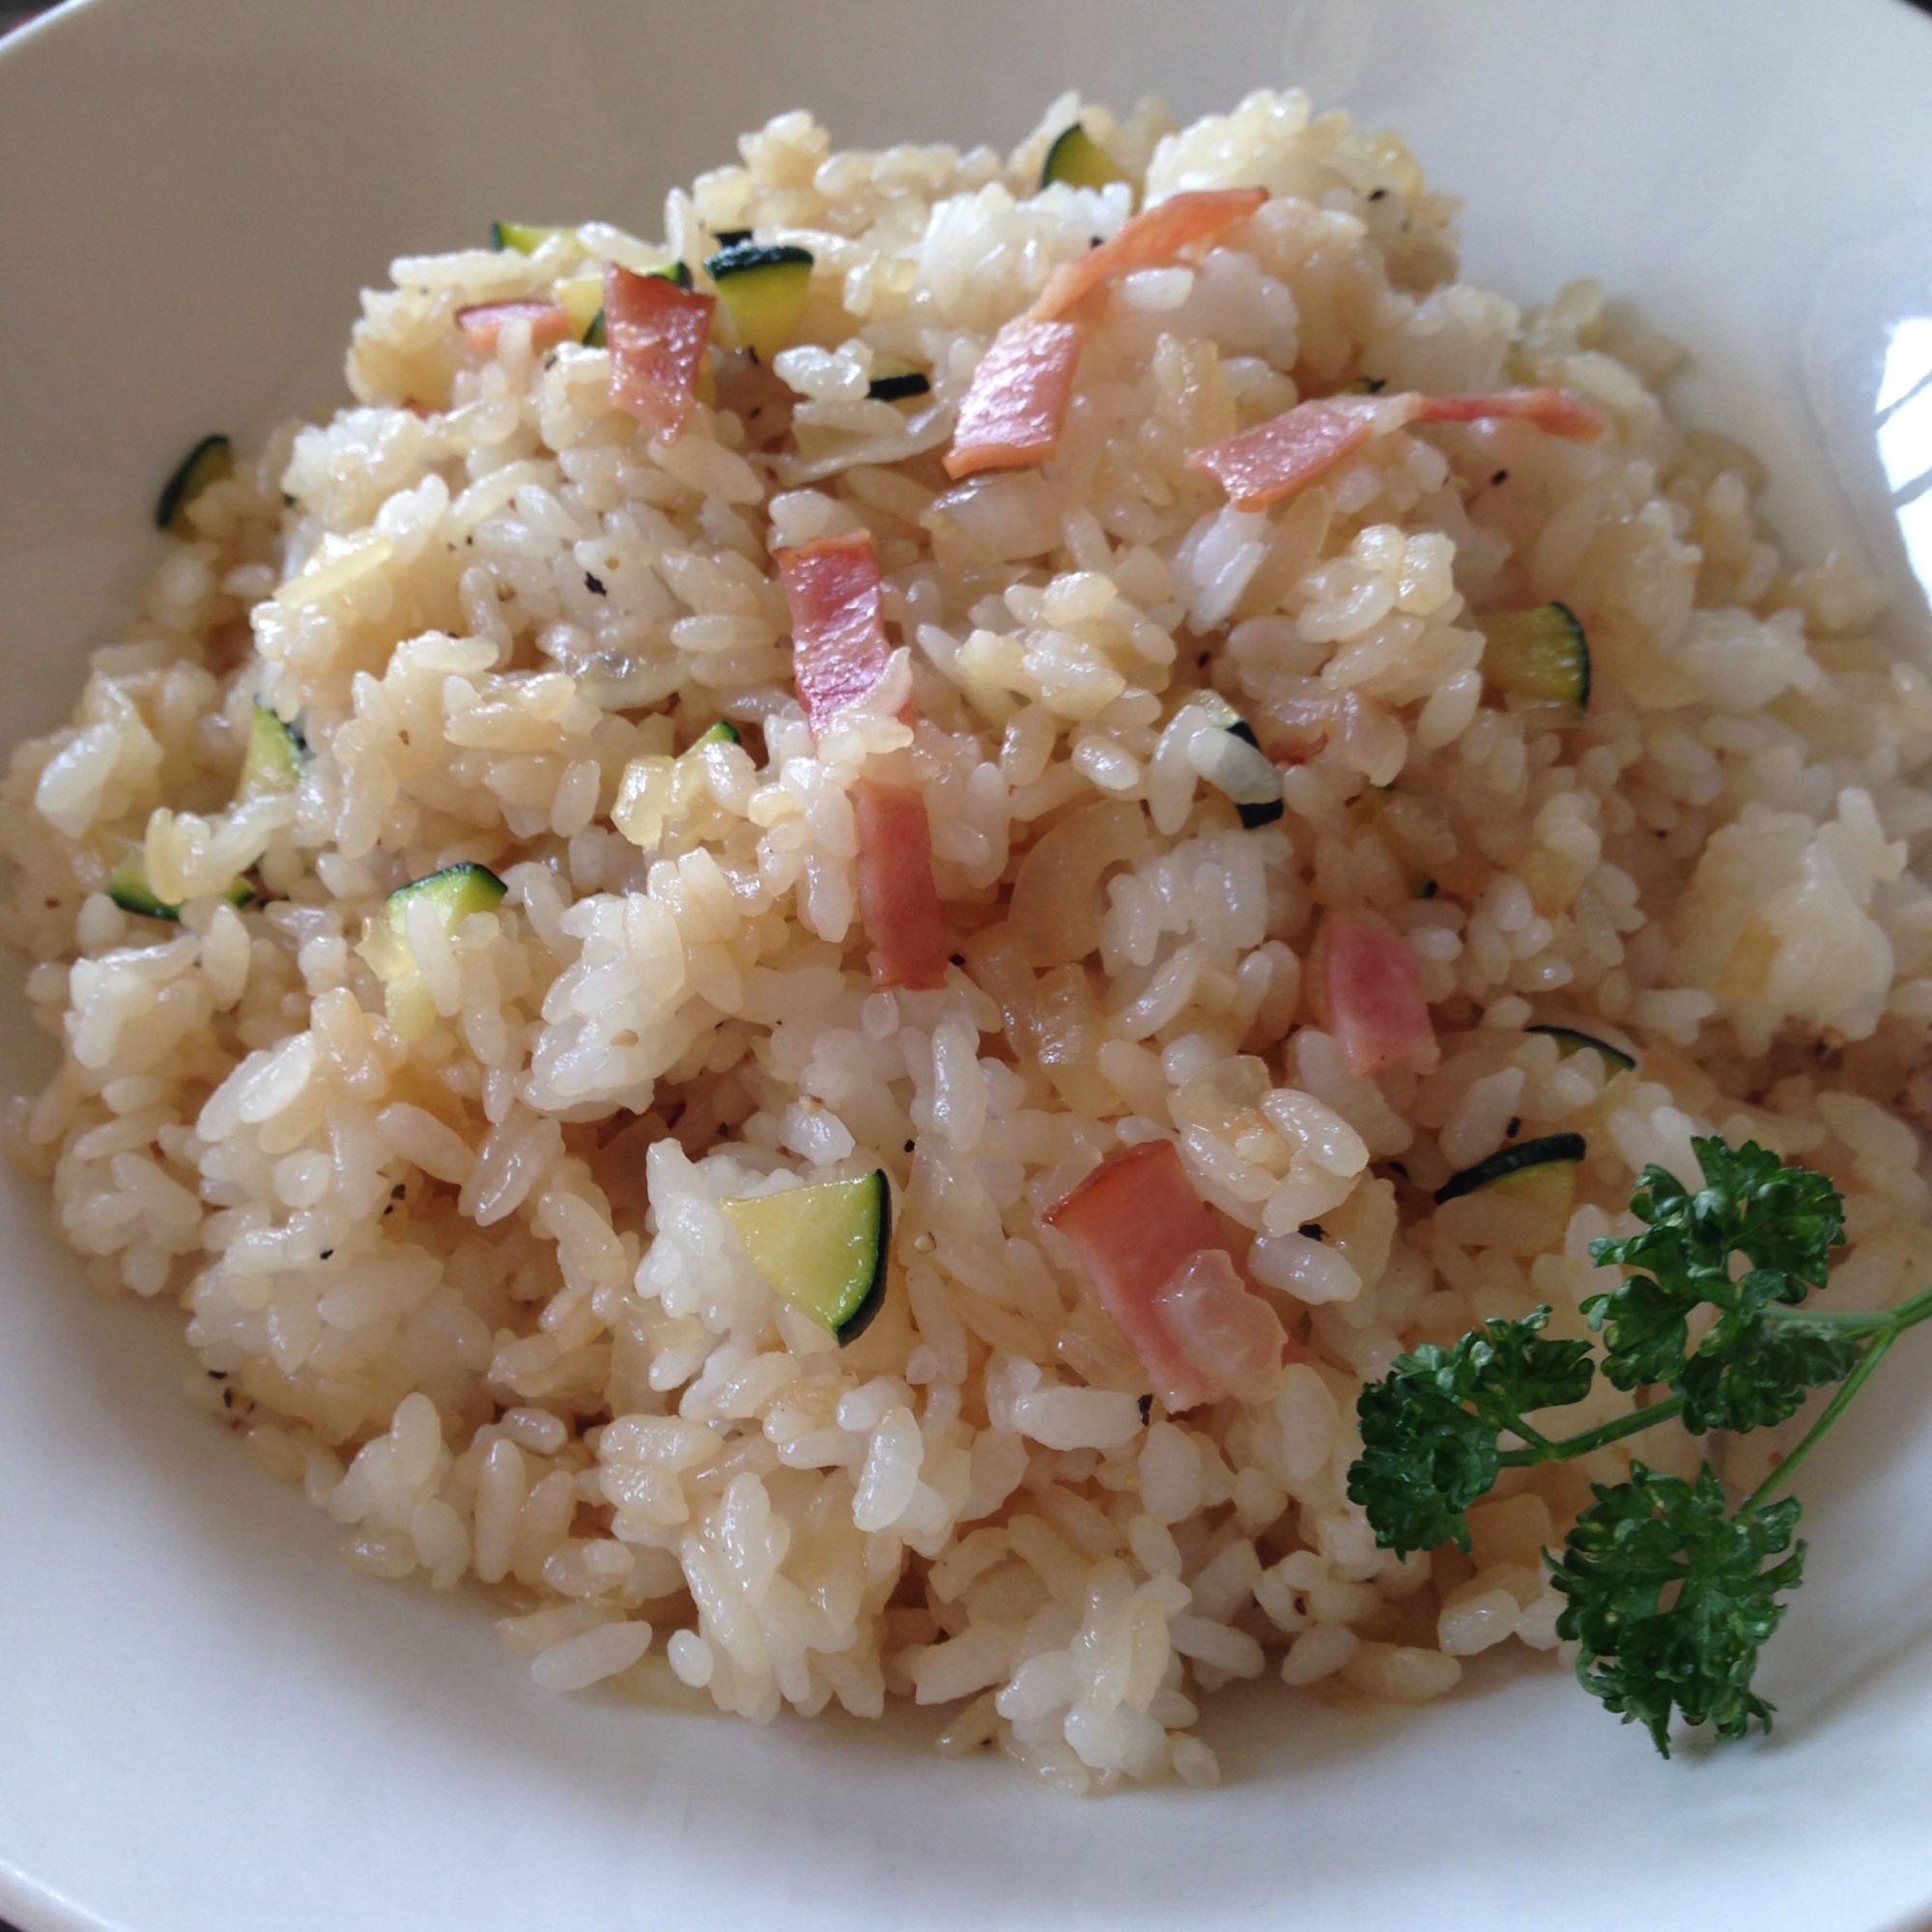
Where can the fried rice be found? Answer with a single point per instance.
(442, 1203)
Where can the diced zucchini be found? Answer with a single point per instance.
(1542, 1172)
(129, 888)
(275, 759)
(1539, 653)
(524, 237)
(652, 794)
(1573, 1039)
(656, 791)
(1079, 161)
(211, 460)
(764, 288)
(823, 1248)
(581, 299)
(896, 381)
(1233, 762)
(455, 892)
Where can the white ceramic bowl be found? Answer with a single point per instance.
(205, 1719)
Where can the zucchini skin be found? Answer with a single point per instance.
(873, 1299)
(820, 1267)
(1253, 815)
(524, 237)
(764, 287)
(1614, 1057)
(1525, 647)
(1079, 161)
(741, 257)
(1539, 1152)
(210, 459)
(128, 887)
(450, 880)
(276, 756)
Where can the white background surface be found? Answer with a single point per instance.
(203, 1719)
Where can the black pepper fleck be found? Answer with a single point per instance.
(400, 1189)
(228, 1398)
(1501, 476)
(908, 1147)
(957, 958)
(1378, 194)
(593, 584)
(218, 1374)
(327, 1254)
(1513, 1129)
(1395, 1167)
(1312, 1231)
(1146, 1409)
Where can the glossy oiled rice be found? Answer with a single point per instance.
(469, 1285)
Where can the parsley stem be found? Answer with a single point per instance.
(1883, 1321)
(1835, 1408)
(1565, 1447)
(1540, 1443)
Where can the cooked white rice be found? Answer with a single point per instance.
(471, 1288)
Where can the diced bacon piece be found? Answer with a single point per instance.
(1369, 982)
(550, 322)
(1556, 411)
(838, 625)
(1140, 1230)
(1229, 1334)
(657, 333)
(897, 900)
(1150, 237)
(1261, 466)
(1018, 400)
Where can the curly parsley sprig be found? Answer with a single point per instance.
(1671, 1591)
(1746, 1372)
(1655, 1535)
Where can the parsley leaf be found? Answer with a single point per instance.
(1746, 1372)
(1656, 1538)
(1429, 1426)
